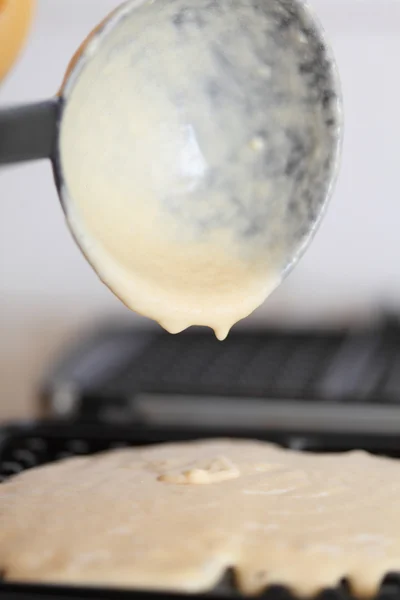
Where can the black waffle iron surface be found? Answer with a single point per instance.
(316, 392)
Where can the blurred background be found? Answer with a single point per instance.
(48, 293)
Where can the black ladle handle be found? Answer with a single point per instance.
(28, 132)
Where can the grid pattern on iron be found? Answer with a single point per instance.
(316, 367)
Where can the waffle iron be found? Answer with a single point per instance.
(311, 390)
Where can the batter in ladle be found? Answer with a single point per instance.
(183, 195)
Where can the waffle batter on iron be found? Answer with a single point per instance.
(177, 516)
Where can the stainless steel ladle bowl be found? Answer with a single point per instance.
(255, 106)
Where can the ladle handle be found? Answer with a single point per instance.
(28, 132)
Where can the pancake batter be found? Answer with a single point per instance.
(177, 516)
(189, 144)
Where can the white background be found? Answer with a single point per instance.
(48, 292)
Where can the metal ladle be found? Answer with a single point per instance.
(269, 63)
